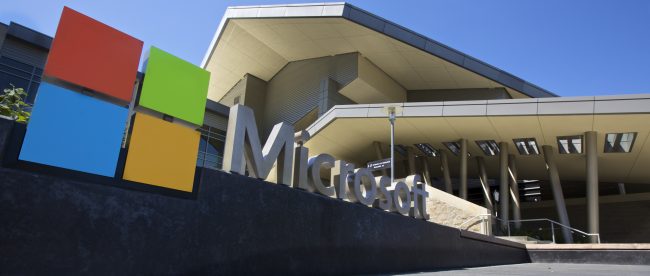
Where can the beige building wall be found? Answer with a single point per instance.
(302, 86)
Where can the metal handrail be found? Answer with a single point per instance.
(560, 224)
(481, 216)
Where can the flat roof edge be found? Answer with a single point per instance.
(557, 106)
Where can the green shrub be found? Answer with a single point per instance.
(12, 104)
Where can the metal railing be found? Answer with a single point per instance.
(488, 218)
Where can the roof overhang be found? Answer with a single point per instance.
(260, 40)
(347, 132)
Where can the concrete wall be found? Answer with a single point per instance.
(439, 95)
(304, 85)
(373, 85)
(249, 91)
(447, 209)
(623, 219)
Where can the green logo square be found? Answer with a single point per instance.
(174, 87)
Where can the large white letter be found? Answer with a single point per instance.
(242, 141)
(339, 178)
(316, 163)
(420, 195)
(363, 177)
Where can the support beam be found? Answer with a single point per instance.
(462, 190)
(504, 186)
(482, 176)
(591, 152)
(380, 155)
(558, 195)
(514, 191)
(445, 172)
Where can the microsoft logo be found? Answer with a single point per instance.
(81, 112)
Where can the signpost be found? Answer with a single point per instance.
(379, 164)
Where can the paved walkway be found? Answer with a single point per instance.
(547, 269)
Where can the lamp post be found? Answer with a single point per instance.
(392, 110)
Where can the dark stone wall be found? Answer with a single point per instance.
(234, 225)
(5, 130)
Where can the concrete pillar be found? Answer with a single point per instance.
(445, 172)
(462, 193)
(621, 188)
(380, 155)
(487, 194)
(514, 191)
(411, 160)
(504, 186)
(558, 195)
(426, 173)
(591, 152)
(482, 175)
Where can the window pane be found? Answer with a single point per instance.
(202, 144)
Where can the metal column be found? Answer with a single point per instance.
(462, 193)
(504, 187)
(558, 195)
(391, 118)
(445, 172)
(591, 152)
(514, 191)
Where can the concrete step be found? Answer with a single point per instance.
(523, 239)
(604, 253)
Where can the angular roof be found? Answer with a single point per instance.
(262, 39)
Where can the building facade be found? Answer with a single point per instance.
(469, 128)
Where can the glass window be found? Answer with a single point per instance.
(619, 142)
(454, 147)
(427, 149)
(489, 147)
(211, 147)
(570, 144)
(526, 146)
(21, 75)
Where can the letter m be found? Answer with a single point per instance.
(243, 143)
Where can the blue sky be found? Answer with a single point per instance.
(578, 47)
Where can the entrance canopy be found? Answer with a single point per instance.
(348, 132)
